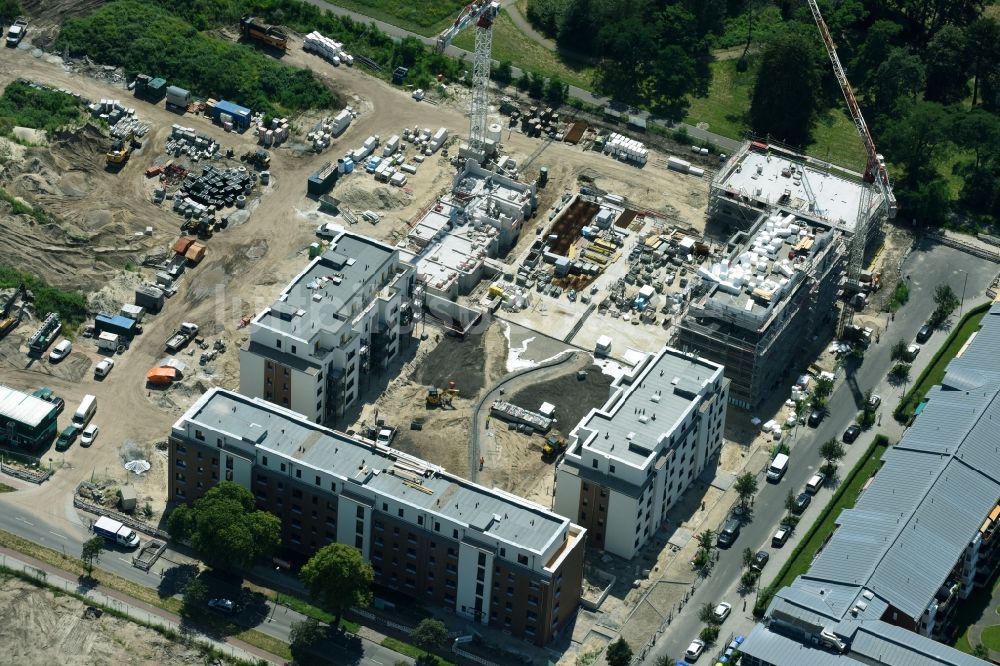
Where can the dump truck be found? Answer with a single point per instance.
(16, 32)
(258, 31)
(184, 335)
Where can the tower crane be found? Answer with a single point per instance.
(483, 12)
(875, 174)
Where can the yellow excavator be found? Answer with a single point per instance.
(552, 447)
(121, 149)
(441, 397)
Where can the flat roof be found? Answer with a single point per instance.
(321, 295)
(287, 434)
(766, 176)
(23, 408)
(630, 428)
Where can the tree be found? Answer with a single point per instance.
(789, 505)
(225, 528)
(338, 577)
(821, 392)
(706, 613)
(831, 451)
(916, 139)
(785, 95)
(981, 651)
(524, 81)
(923, 18)
(91, 554)
(948, 65)
(897, 80)
(900, 373)
(194, 598)
(984, 46)
(503, 74)
(430, 633)
(619, 653)
(898, 351)
(709, 634)
(748, 556)
(879, 39)
(556, 92)
(536, 86)
(746, 487)
(706, 539)
(945, 298)
(303, 637)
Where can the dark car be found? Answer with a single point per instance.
(925, 333)
(851, 433)
(801, 502)
(759, 560)
(227, 606)
(816, 417)
(67, 437)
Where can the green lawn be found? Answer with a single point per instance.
(991, 637)
(509, 43)
(426, 17)
(934, 373)
(843, 498)
(410, 650)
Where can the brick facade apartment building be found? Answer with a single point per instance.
(490, 556)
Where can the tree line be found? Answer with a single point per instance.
(927, 75)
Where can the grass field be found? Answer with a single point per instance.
(509, 43)
(425, 17)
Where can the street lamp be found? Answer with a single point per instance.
(961, 303)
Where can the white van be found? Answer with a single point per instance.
(85, 411)
(777, 468)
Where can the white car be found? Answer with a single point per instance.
(102, 369)
(60, 351)
(722, 611)
(694, 650)
(912, 351)
(89, 435)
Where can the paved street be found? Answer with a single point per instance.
(69, 536)
(926, 268)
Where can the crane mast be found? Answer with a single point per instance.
(483, 12)
(875, 173)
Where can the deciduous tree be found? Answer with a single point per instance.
(337, 577)
(785, 99)
(746, 487)
(619, 653)
(429, 634)
(225, 528)
(91, 553)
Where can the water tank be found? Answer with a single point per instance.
(493, 132)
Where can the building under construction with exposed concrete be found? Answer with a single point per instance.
(768, 305)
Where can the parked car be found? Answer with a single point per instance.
(89, 435)
(759, 560)
(801, 502)
(851, 433)
(781, 536)
(816, 417)
(66, 437)
(925, 333)
(694, 650)
(102, 369)
(814, 483)
(722, 611)
(227, 606)
(60, 351)
(874, 402)
(912, 351)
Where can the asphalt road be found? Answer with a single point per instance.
(271, 619)
(926, 268)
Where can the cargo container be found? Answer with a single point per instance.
(323, 180)
(108, 341)
(439, 138)
(340, 122)
(116, 324)
(150, 298)
(239, 115)
(391, 146)
(178, 97)
(397, 179)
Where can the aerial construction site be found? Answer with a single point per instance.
(436, 304)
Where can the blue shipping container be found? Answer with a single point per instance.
(115, 324)
(239, 114)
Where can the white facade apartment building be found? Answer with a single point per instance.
(628, 462)
(336, 321)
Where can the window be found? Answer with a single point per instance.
(612, 469)
(400, 512)
(481, 575)
(264, 460)
(385, 506)
(482, 559)
(454, 534)
(296, 493)
(317, 483)
(282, 467)
(278, 343)
(199, 435)
(522, 559)
(593, 463)
(358, 542)
(293, 349)
(479, 589)
(298, 474)
(420, 520)
(361, 512)
(183, 449)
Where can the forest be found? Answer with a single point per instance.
(926, 74)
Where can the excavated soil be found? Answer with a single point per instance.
(573, 398)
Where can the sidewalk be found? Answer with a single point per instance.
(133, 608)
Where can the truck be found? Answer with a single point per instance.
(184, 335)
(16, 32)
(113, 530)
(258, 31)
(85, 411)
